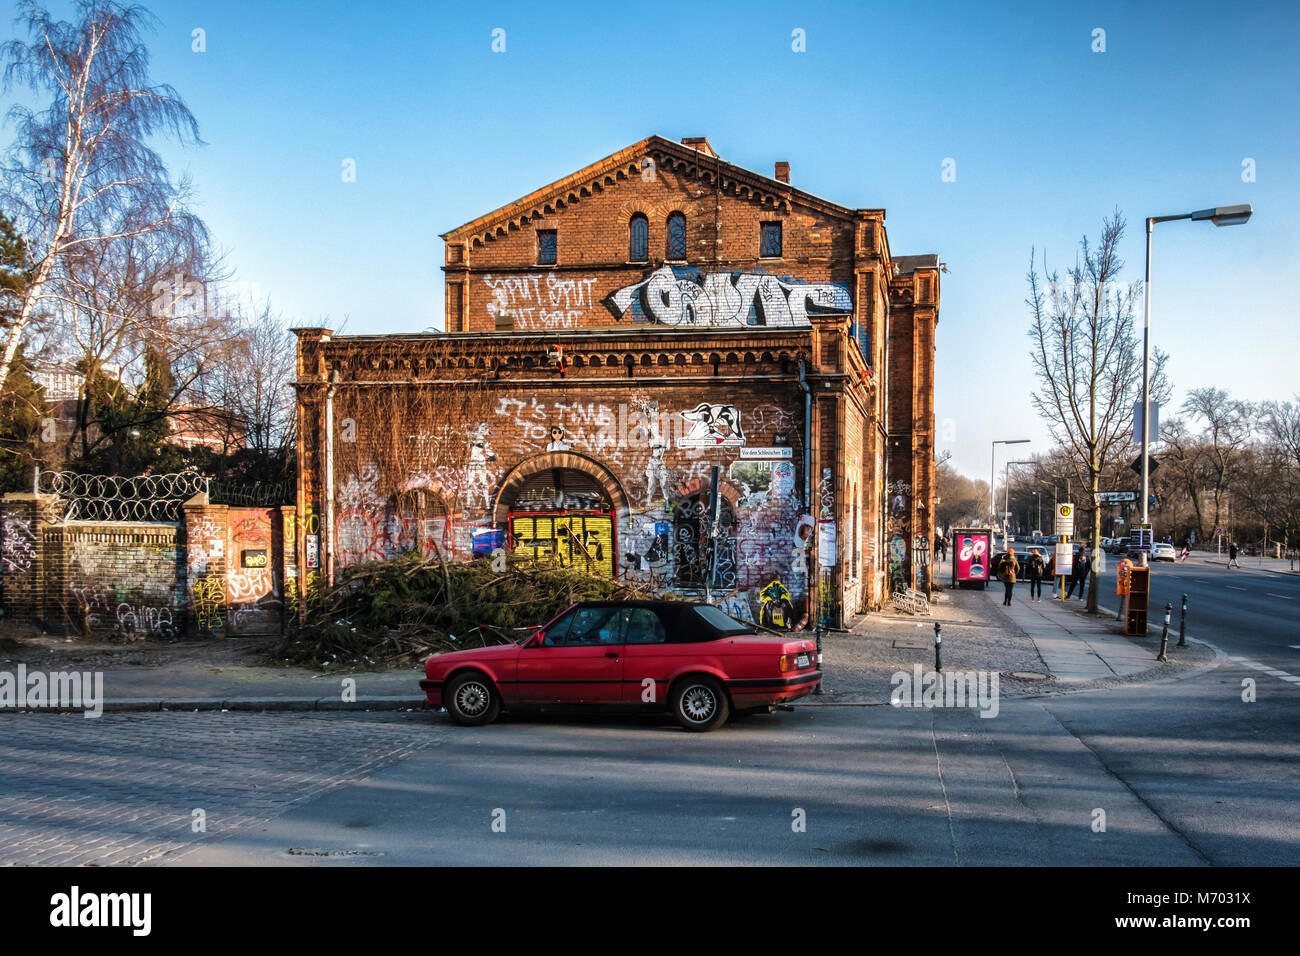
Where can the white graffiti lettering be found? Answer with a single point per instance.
(729, 298)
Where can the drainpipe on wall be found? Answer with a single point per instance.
(807, 487)
(329, 477)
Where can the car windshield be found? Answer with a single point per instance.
(720, 621)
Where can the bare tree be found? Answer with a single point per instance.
(247, 398)
(1089, 358)
(81, 173)
(1209, 462)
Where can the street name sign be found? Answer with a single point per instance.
(1114, 497)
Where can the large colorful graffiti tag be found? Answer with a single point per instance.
(728, 298)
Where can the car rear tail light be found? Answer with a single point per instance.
(787, 663)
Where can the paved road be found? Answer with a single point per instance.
(1185, 772)
(1248, 612)
(124, 788)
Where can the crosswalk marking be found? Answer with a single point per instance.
(1271, 671)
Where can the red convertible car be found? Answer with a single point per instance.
(691, 660)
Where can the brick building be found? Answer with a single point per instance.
(611, 340)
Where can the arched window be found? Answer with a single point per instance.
(638, 239)
(676, 237)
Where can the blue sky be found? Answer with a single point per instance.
(1048, 137)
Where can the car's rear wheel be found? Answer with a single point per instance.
(699, 703)
(471, 700)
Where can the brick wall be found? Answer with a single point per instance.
(140, 580)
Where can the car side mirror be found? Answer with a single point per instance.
(538, 639)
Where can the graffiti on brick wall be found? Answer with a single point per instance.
(738, 604)
(145, 619)
(209, 600)
(252, 587)
(93, 602)
(826, 495)
(898, 495)
(134, 587)
(774, 420)
(588, 427)
(19, 545)
(477, 480)
(657, 472)
(203, 531)
(760, 481)
(361, 491)
(727, 299)
(540, 301)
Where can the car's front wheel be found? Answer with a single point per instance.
(471, 700)
(699, 703)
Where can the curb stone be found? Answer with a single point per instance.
(118, 705)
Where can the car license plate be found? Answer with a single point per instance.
(801, 661)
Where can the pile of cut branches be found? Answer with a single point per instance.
(391, 613)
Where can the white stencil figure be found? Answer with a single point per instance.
(656, 469)
(476, 473)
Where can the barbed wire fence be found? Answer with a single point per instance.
(156, 498)
(150, 498)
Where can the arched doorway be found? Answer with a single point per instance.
(563, 515)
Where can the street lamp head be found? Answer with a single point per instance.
(1225, 215)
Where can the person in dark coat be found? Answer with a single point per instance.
(1034, 570)
(1079, 575)
(1232, 556)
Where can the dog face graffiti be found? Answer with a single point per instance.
(712, 426)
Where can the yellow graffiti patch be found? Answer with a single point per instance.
(583, 541)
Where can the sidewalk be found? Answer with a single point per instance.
(219, 675)
(1275, 565)
(1074, 645)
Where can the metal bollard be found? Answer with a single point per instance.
(818, 634)
(938, 643)
(1164, 636)
(1182, 625)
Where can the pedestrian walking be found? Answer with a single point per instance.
(1232, 556)
(1035, 571)
(1010, 568)
(1079, 575)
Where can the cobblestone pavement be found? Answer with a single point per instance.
(123, 788)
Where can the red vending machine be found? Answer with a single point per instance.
(971, 553)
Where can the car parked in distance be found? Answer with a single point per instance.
(1022, 557)
(1163, 551)
(688, 659)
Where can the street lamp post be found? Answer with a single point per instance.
(1220, 216)
(1006, 501)
(993, 502)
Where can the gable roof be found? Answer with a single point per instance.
(626, 163)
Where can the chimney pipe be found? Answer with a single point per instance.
(783, 172)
